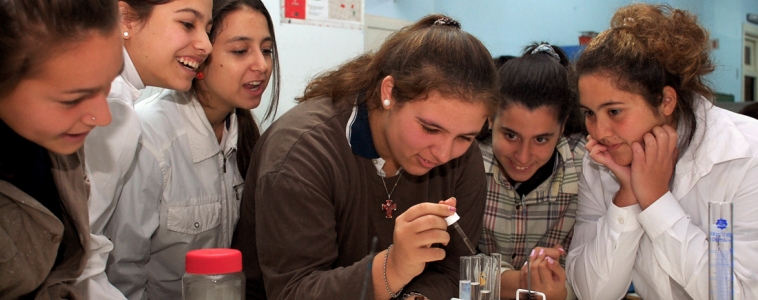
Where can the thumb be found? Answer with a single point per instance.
(450, 201)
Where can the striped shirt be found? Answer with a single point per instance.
(548, 212)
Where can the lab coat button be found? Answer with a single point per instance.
(621, 220)
(375, 161)
(197, 225)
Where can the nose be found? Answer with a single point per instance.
(259, 63)
(98, 113)
(522, 154)
(442, 151)
(599, 129)
(202, 43)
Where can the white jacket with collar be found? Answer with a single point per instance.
(664, 249)
(182, 193)
(109, 152)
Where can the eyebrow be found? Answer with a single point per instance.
(197, 14)
(609, 103)
(95, 89)
(542, 135)
(242, 38)
(432, 124)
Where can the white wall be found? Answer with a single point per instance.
(305, 51)
(506, 26)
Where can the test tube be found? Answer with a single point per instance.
(720, 248)
(464, 285)
(496, 259)
(485, 279)
(476, 270)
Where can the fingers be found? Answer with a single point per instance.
(551, 252)
(591, 143)
(441, 210)
(560, 249)
(450, 201)
(558, 273)
(544, 271)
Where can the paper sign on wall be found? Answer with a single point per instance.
(327, 13)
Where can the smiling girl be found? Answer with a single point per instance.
(659, 151)
(164, 42)
(533, 161)
(184, 189)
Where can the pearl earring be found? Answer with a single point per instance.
(386, 102)
(93, 118)
(126, 33)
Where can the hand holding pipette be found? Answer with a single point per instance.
(416, 230)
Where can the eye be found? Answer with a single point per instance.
(466, 138)
(267, 52)
(239, 52)
(429, 130)
(614, 112)
(72, 103)
(541, 140)
(188, 25)
(588, 113)
(510, 136)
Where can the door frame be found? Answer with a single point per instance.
(749, 31)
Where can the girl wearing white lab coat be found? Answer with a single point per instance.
(183, 191)
(659, 151)
(173, 33)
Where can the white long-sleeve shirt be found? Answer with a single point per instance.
(664, 249)
(181, 194)
(109, 152)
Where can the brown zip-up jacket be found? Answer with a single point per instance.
(30, 235)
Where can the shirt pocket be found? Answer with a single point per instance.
(194, 219)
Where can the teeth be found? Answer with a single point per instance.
(520, 168)
(189, 62)
(255, 83)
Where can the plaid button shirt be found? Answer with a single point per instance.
(549, 211)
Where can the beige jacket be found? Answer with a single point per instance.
(30, 235)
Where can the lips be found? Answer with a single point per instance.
(426, 163)
(75, 137)
(253, 85)
(614, 147)
(518, 167)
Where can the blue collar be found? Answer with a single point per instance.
(359, 132)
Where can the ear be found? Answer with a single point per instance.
(128, 23)
(668, 104)
(385, 90)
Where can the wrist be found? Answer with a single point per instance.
(624, 197)
(414, 296)
(393, 286)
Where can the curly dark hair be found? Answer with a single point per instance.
(649, 47)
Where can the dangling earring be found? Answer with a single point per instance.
(386, 103)
(126, 34)
(199, 75)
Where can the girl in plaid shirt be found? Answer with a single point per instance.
(532, 159)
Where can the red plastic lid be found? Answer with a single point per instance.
(213, 261)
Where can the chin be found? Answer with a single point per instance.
(622, 160)
(181, 85)
(63, 149)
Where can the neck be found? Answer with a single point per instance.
(216, 113)
(376, 120)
